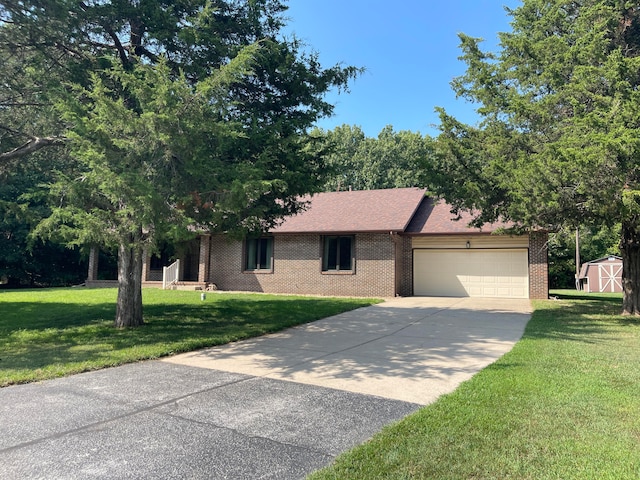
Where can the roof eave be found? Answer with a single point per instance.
(338, 232)
(440, 234)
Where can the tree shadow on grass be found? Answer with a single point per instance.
(579, 317)
(45, 315)
(37, 336)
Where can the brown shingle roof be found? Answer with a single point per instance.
(359, 211)
(400, 210)
(435, 218)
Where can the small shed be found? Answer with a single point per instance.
(602, 275)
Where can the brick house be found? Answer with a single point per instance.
(375, 243)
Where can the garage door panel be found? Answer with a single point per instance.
(471, 273)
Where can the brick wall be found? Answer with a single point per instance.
(92, 274)
(538, 266)
(297, 267)
(404, 267)
(203, 258)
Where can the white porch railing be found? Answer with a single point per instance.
(170, 274)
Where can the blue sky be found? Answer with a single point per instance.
(409, 48)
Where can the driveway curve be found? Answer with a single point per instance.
(277, 407)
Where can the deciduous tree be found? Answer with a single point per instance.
(594, 243)
(23, 259)
(391, 160)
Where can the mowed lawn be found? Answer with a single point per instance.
(563, 404)
(53, 332)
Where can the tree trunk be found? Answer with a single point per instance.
(129, 304)
(630, 249)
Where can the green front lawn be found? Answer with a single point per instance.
(54, 332)
(563, 404)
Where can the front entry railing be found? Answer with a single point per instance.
(170, 275)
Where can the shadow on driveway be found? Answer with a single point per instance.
(413, 349)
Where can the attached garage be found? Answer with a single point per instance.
(471, 273)
(399, 242)
(450, 258)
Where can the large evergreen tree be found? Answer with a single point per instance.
(176, 113)
(558, 139)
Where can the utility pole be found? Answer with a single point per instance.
(577, 258)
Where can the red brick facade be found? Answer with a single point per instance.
(383, 226)
(404, 267)
(203, 258)
(383, 267)
(297, 267)
(538, 266)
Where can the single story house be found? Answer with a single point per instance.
(371, 243)
(601, 275)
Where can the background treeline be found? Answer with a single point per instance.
(391, 160)
(26, 261)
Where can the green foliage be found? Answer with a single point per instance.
(53, 332)
(556, 144)
(264, 93)
(139, 155)
(23, 260)
(188, 114)
(594, 243)
(562, 404)
(392, 160)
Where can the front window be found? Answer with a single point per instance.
(337, 253)
(259, 253)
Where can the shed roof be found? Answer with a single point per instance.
(607, 258)
(361, 211)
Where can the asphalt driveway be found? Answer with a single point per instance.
(279, 406)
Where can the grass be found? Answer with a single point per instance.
(54, 332)
(563, 404)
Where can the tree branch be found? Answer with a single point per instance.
(33, 145)
(122, 52)
(9, 103)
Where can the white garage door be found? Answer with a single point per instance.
(471, 273)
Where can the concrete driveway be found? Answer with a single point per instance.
(411, 349)
(279, 406)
